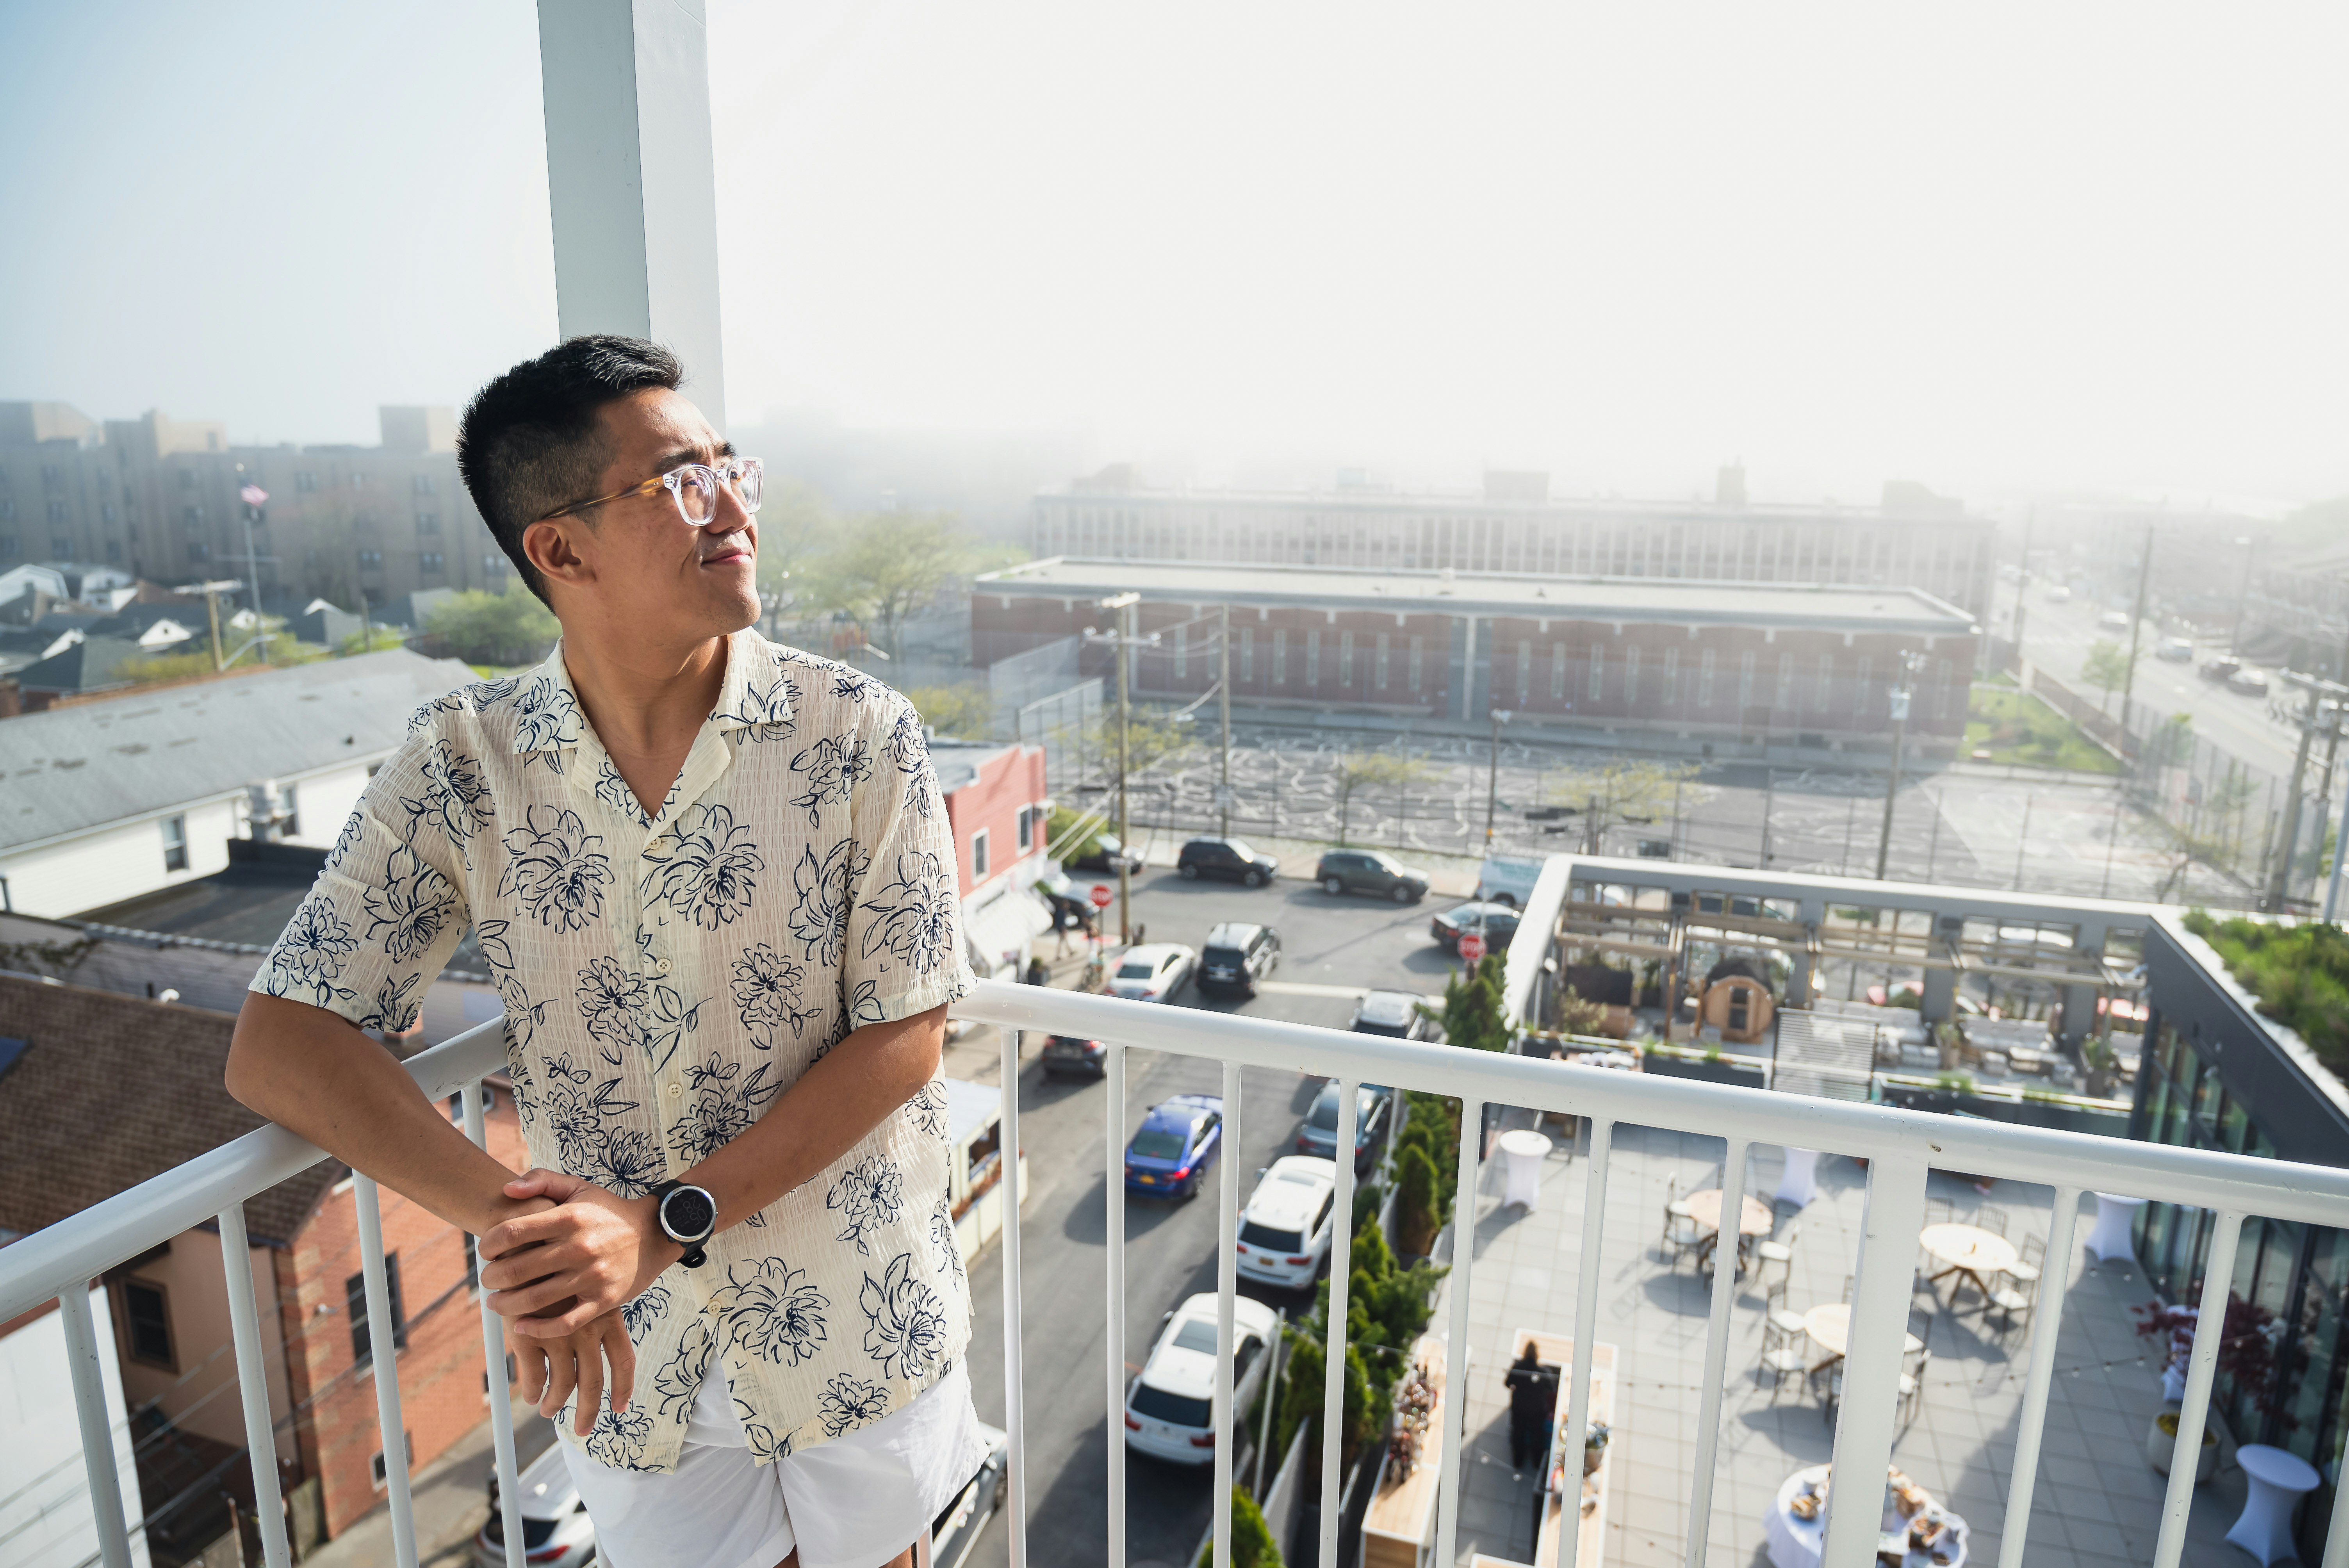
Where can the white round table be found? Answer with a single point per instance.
(1978, 1254)
(1795, 1542)
(1798, 1182)
(2277, 1481)
(1524, 1152)
(2111, 1239)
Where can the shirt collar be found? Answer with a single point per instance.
(755, 692)
(547, 715)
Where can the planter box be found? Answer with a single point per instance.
(2160, 1446)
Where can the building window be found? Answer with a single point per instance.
(1418, 659)
(1826, 694)
(420, 483)
(199, 551)
(427, 522)
(407, 1441)
(1744, 683)
(7, 547)
(1630, 676)
(1248, 652)
(1346, 660)
(114, 550)
(1281, 656)
(429, 561)
(978, 856)
(147, 1324)
(1379, 663)
(1704, 678)
(370, 560)
(60, 512)
(107, 513)
(304, 482)
(1671, 676)
(494, 562)
(354, 1305)
(8, 511)
(1027, 828)
(61, 547)
(288, 803)
(1598, 671)
(1785, 698)
(1313, 661)
(175, 843)
(361, 482)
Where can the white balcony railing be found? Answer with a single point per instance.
(1900, 1146)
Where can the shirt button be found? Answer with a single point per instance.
(661, 968)
(676, 1090)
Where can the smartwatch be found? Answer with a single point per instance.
(687, 1216)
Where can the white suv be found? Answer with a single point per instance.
(1170, 1408)
(1285, 1229)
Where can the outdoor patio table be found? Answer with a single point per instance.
(2277, 1481)
(1968, 1250)
(1754, 1219)
(1795, 1542)
(1829, 1327)
(2111, 1238)
(1524, 1150)
(1798, 1182)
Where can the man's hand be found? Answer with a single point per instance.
(556, 1270)
(553, 1367)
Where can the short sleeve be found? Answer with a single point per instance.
(905, 951)
(389, 905)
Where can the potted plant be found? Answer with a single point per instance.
(2097, 1053)
(2161, 1444)
(2246, 1357)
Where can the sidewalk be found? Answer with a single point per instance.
(453, 1502)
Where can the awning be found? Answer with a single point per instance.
(995, 931)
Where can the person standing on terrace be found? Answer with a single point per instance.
(714, 882)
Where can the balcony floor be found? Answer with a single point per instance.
(2097, 1503)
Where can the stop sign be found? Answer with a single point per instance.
(1472, 946)
(1101, 896)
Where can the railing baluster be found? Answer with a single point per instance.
(1333, 1370)
(494, 1368)
(383, 1359)
(2336, 1537)
(2209, 1327)
(1456, 1352)
(1228, 1240)
(1881, 1290)
(1113, 1230)
(1014, 1385)
(252, 1387)
(2046, 1322)
(1586, 1326)
(97, 1428)
(1727, 1253)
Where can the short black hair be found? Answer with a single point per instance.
(529, 443)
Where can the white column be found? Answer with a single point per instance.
(631, 177)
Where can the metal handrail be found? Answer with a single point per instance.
(1900, 1146)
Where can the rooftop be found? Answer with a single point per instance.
(1827, 608)
(958, 762)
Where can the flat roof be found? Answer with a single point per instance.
(1948, 510)
(1818, 607)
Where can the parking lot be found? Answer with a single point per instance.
(1333, 949)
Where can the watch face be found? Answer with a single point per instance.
(688, 1214)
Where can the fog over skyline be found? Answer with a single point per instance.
(1993, 251)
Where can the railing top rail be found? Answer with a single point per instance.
(81, 1247)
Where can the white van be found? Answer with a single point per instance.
(1508, 878)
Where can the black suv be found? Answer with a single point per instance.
(1370, 872)
(1225, 858)
(1237, 956)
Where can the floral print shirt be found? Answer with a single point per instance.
(666, 979)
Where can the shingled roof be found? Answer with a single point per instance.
(112, 1090)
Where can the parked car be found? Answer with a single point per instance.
(555, 1530)
(2059, 594)
(1071, 1056)
(1319, 1135)
(1495, 922)
(1285, 1229)
(1396, 1012)
(1508, 879)
(954, 1534)
(1170, 1407)
(2114, 621)
(1228, 857)
(1236, 955)
(1103, 856)
(1153, 972)
(2222, 668)
(2248, 682)
(2175, 650)
(1174, 1145)
(1371, 872)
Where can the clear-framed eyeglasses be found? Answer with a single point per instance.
(694, 487)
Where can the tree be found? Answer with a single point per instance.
(796, 528)
(1252, 1542)
(963, 711)
(2106, 668)
(1624, 789)
(1474, 1015)
(885, 567)
(1576, 1014)
(1373, 771)
(1418, 1209)
(1151, 736)
(505, 629)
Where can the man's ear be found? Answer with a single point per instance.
(552, 547)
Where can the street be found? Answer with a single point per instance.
(1330, 947)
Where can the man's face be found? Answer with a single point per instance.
(646, 569)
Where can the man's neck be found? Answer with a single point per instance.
(645, 699)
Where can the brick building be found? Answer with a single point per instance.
(110, 1090)
(995, 799)
(1810, 663)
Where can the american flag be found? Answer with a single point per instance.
(253, 495)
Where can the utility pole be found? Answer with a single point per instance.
(2022, 584)
(1224, 711)
(1911, 661)
(1769, 794)
(1123, 603)
(2280, 878)
(2022, 842)
(2136, 623)
(2242, 594)
(2340, 843)
(1501, 715)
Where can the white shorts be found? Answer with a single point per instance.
(854, 1502)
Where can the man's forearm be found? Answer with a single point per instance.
(311, 1071)
(834, 1105)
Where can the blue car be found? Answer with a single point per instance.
(1174, 1145)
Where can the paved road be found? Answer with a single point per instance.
(1332, 945)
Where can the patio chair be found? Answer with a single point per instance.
(1832, 1376)
(1778, 1315)
(1782, 1352)
(2034, 1254)
(1992, 1219)
(1675, 1206)
(1912, 1384)
(1681, 1233)
(1780, 1253)
(1940, 1211)
(2010, 1300)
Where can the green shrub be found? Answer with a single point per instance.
(1252, 1542)
(1418, 1213)
(2300, 974)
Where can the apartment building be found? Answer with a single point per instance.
(996, 805)
(1912, 538)
(161, 498)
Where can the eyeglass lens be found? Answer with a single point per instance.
(696, 488)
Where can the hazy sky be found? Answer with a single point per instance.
(1988, 248)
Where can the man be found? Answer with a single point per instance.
(714, 880)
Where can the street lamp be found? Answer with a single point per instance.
(1501, 715)
(1911, 662)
